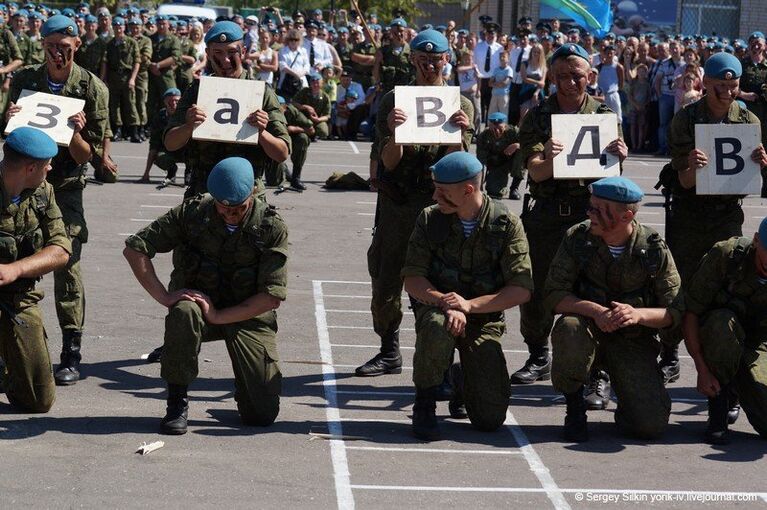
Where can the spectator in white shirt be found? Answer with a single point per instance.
(486, 56)
(293, 62)
(319, 52)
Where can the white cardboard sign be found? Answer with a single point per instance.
(585, 137)
(730, 170)
(48, 113)
(428, 111)
(227, 102)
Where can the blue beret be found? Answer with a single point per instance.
(427, 26)
(118, 21)
(29, 5)
(68, 12)
(621, 38)
(763, 233)
(151, 21)
(135, 21)
(59, 24)
(173, 91)
(32, 143)
(143, 11)
(161, 17)
(173, 17)
(343, 30)
(573, 31)
(430, 41)
(352, 94)
(617, 189)
(723, 66)
(35, 15)
(132, 11)
(312, 24)
(231, 181)
(741, 104)
(90, 18)
(756, 35)
(83, 4)
(440, 28)
(224, 32)
(570, 50)
(181, 23)
(455, 167)
(463, 31)
(609, 35)
(173, 23)
(21, 13)
(498, 117)
(12, 4)
(122, 12)
(281, 99)
(317, 11)
(729, 49)
(532, 38)
(399, 22)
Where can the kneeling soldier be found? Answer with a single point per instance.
(33, 242)
(229, 275)
(467, 261)
(614, 281)
(497, 149)
(725, 330)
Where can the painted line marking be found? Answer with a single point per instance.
(369, 328)
(375, 420)
(128, 157)
(536, 464)
(360, 311)
(354, 147)
(124, 234)
(342, 281)
(156, 206)
(432, 450)
(144, 220)
(365, 203)
(174, 195)
(366, 214)
(654, 224)
(355, 366)
(341, 474)
(510, 351)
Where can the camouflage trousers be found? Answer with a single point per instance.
(486, 389)
(643, 403)
(252, 348)
(545, 229)
(157, 87)
(690, 233)
(168, 162)
(68, 281)
(122, 102)
(497, 177)
(386, 256)
(736, 359)
(29, 379)
(322, 130)
(300, 143)
(142, 92)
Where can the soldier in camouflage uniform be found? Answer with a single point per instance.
(405, 188)
(362, 58)
(301, 130)
(184, 77)
(19, 27)
(614, 282)
(557, 204)
(315, 104)
(166, 52)
(35, 243)
(11, 59)
(213, 295)
(467, 261)
(696, 222)
(119, 70)
(92, 51)
(725, 330)
(225, 47)
(344, 48)
(752, 86)
(35, 53)
(392, 64)
(60, 75)
(157, 155)
(497, 149)
(142, 79)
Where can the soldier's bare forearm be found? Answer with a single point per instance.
(422, 290)
(691, 333)
(508, 297)
(391, 154)
(574, 305)
(177, 137)
(274, 147)
(12, 66)
(79, 149)
(144, 271)
(656, 318)
(539, 168)
(251, 307)
(46, 260)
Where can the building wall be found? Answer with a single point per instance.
(753, 17)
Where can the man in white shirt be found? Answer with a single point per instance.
(486, 56)
(320, 54)
(519, 55)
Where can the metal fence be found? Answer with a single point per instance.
(710, 17)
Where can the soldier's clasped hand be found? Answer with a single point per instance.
(760, 156)
(259, 119)
(696, 159)
(195, 116)
(78, 120)
(455, 322)
(453, 301)
(552, 148)
(396, 118)
(618, 148)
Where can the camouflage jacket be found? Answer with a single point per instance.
(90, 55)
(145, 50)
(643, 276)
(81, 84)
(122, 55)
(490, 149)
(320, 104)
(162, 48)
(9, 47)
(536, 131)
(495, 255)
(295, 117)
(31, 50)
(229, 267)
(396, 68)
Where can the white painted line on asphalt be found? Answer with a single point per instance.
(341, 475)
(125, 234)
(377, 393)
(156, 206)
(536, 464)
(649, 213)
(754, 206)
(333, 165)
(355, 366)
(143, 220)
(433, 450)
(360, 311)
(365, 203)
(643, 163)
(347, 296)
(127, 157)
(365, 327)
(514, 395)
(375, 420)
(354, 147)
(366, 214)
(174, 195)
(343, 281)
(510, 351)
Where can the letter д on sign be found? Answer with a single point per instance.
(585, 137)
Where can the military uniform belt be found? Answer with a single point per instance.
(563, 206)
(713, 203)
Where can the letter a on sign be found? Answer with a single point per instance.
(730, 170)
(428, 110)
(227, 102)
(47, 112)
(585, 138)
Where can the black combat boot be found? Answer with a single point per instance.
(156, 355)
(457, 406)
(425, 414)
(598, 391)
(514, 193)
(445, 389)
(295, 180)
(536, 368)
(69, 369)
(2, 376)
(669, 364)
(718, 409)
(388, 361)
(576, 429)
(117, 135)
(134, 136)
(734, 400)
(174, 422)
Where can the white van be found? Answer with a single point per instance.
(183, 11)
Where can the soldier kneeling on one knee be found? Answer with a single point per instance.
(615, 284)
